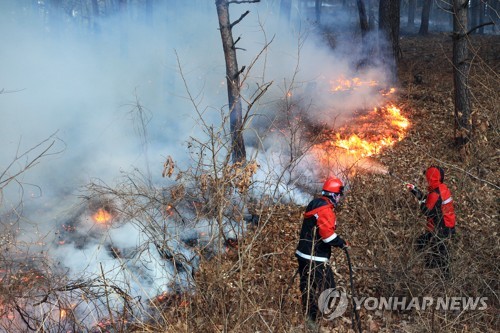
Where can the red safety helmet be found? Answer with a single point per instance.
(333, 185)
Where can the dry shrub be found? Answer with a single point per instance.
(246, 289)
(249, 284)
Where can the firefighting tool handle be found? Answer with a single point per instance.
(412, 188)
(397, 177)
(353, 291)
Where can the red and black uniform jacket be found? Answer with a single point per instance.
(317, 235)
(437, 206)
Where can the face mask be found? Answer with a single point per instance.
(336, 200)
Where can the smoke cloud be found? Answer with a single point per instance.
(82, 89)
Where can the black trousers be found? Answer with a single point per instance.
(315, 277)
(436, 247)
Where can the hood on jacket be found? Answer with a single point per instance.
(434, 176)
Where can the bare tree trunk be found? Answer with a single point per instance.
(54, 16)
(412, 5)
(95, 8)
(473, 14)
(389, 15)
(149, 12)
(317, 10)
(363, 19)
(95, 16)
(426, 12)
(461, 66)
(122, 8)
(233, 79)
(285, 9)
(122, 4)
(482, 10)
(494, 15)
(371, 15)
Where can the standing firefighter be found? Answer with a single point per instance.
(437, 206)
(317, 237)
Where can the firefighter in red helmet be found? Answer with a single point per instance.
(317, 237)
(437, 206)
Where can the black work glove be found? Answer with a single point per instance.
(339, 242)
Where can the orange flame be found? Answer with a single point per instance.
(169, 210)
(389, 92)
(342, 84)
(102, 216)
(367, 134)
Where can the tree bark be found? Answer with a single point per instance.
(149, 12)
(54, 16)
(363, 19)
(412, 5)
(473, 14)
(317, 10)
(286, 9)
(424, 23)
(482, 10)
(493, 15)
(95, 16)
(95, 8)
(371, 15)
(463, 122)
(233, 82)
(122, 8)
(389, 15)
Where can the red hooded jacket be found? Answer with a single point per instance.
(438, 205)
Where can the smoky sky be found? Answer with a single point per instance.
(84, 85)
(80, 86)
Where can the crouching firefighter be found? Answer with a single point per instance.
(437, 206)
(317, 236)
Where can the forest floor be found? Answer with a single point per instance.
(252, 289)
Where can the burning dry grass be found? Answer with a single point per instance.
(346, 148)
(249, 286)
(248, 290)
(366, 134)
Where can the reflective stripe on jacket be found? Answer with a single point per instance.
(318, 231)
(438, 207)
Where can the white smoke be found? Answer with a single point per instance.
(82, 88)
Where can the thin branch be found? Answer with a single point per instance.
(241, 70)
(470, 174)
(239, 20)
(30, 163)
(22, 313)
(262, 91)
(3, 91)
(234, 45)
(466, 172)
(242, 1)
(478, 27)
